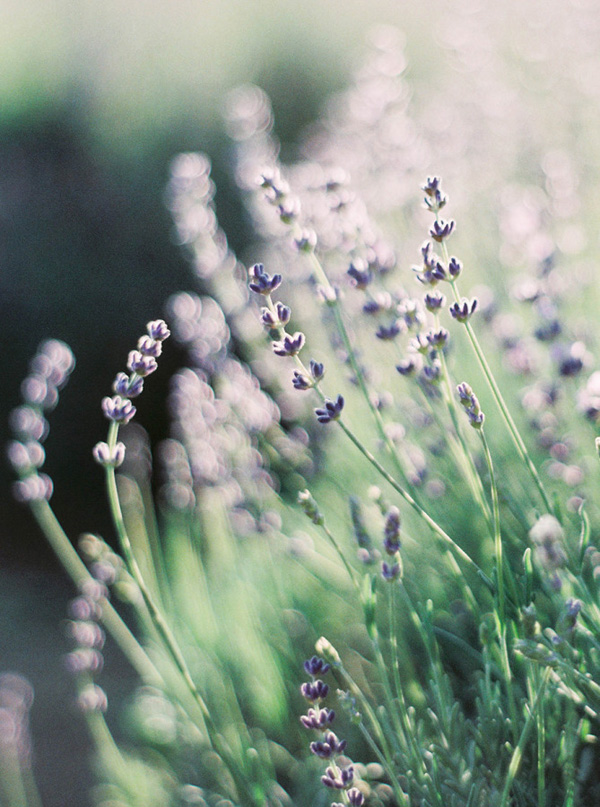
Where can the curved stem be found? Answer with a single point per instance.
(356, 368)
(495, 389)
(459, 551)
(78, 572)
(165, 633)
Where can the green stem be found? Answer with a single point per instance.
(468, 465)
(385, 754)
(459, 551)
(408, 729)
(517, 756)
(500, 593)
(165, 633)
(78, 572)
(495, 389)
(356, 368)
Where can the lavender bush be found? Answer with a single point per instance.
(440, 557)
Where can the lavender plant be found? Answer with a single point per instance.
(445, 570)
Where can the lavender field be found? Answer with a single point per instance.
(324, 500)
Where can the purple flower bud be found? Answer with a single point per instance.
(329, 746)
(117, 409)
(28, 423)
(280, 318)
(92, 699)
(267, 318)
(437, 339)
(454, 268)
(434, 198)
(300, 381)
(406, 367)
(158, 330)
(284, 312)
(360, 274)
(289, 345)
(338, 781)
(318, 719)
(87, 634)
(24, 456)
(316, 666)
(84, 660)
(260, 282)
(109, 457)
(391, 540)
(306, 241)
(317, 370)
(128, 386)
(331, 410)
(314, 690)
(464, 310)
(34, 488)
(140, 364)
(469, 401)
(390, 572)
(440, 230)
(355, 797)
(289, 209)
(432, 372)
(149, 347)
(388, 332)
(434, 301)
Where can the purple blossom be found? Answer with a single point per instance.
(437, 339)
(260, 282)
(34, 488)
(331, 410)
(434, 198)
(391, 539)
(318, 719)
(388, 332)
(140, 364)
(317, 369)
(289, 345)
(157, 329)
(355, 797)
(454, 268)
(128, 386)
(117, 409)
(440, 230)
(316, 666)
(301, 382)
(107, 456)
(328, 746)
(149, 347)
(407, 367)
(464, 310)
(314, 690)
(390, 572)
(338, 779)
(434, 301)
(361, 274)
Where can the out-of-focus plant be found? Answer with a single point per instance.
(442, 451)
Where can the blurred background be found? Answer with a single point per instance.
(95, 100)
